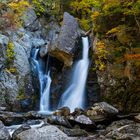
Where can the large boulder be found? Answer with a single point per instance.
(101, 111)
(64, 46)
(44, 133)
(4, 134)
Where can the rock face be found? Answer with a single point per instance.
(93, 88)
(4, 134)
(46, 132)
(65, 45)
(119, 84)
(16, 88)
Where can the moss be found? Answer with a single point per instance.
(21, 95)
(10, 56)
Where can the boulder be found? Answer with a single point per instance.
(44, 133)
(137, 118)
(101, 111)
(65, 111)
(3, 43)
(75, 132)
(123, 129)
(4, 134)
(77, 112)
(10, 118)
(83, 122)
(22, 128)
(44, 50)
(64, 46)
(58, 120)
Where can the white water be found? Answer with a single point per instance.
(45, 83)
(13, 128)
(74, 96)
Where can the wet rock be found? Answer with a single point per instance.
(74, 132)
(24, 127)
(65, 111)
(77, 112)
(33, 115)
(83, 121)
(2, 108)
(137, 118)
(46, 132)
(59, 120)
(44, 50)
(10, 118)
(101, 111)
(65, 45)
(123, 130)
(4, 134)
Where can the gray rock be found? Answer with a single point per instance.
(58, 120)
(44, 133)
(36, 42)
(9, 118)
(65, 45)
(24, 127)
(123, 129)
(65, 111)
(83, 122)
(30, 20)
(101, 111)
(21, 60)
(3, 43)
(76, 132)
(44, 50)
(83, 119)
(8, 89)
(137, 118)
(4, 134)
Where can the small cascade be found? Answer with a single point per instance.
(74, 96)
(45, 83)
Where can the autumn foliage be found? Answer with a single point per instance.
(11, 12)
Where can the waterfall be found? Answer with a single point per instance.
(74, 96)
(45, 83)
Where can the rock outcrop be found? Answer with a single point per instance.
(16, 88)
(65, 45)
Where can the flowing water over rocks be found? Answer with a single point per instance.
(74, 96)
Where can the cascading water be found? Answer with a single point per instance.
(45, 83)
(74, 96)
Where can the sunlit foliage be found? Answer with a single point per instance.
(11, 12)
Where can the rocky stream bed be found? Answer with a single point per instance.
(99, 122)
